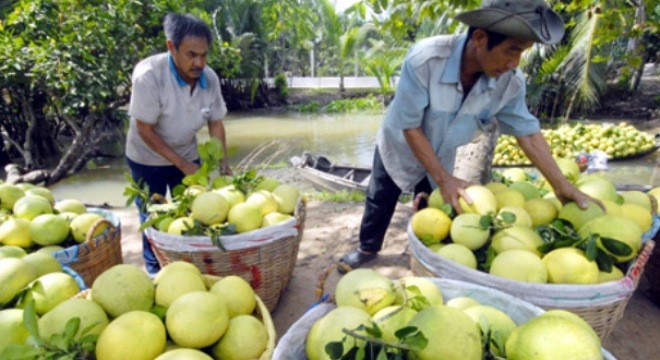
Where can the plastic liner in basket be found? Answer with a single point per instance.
(79, 280)
(291, 345)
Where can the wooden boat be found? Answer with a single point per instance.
(325, 175)
(328, 176)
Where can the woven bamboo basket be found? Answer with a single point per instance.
(601, 305)
(96, 254)
(291, 345)
(653, 273)
(266, 262)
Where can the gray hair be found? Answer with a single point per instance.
(179, 26)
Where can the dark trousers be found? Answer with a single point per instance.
(159, 179)
(382, 197)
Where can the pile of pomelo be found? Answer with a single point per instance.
(410, 318)
(518, 229)
(31, 219)
(226, 207)
(181, 314)
(617, 141)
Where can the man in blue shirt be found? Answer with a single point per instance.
(450, 90)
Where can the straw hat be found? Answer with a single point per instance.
(529, 20)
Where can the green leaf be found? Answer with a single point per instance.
(404, 332)
(508, 217)
(616, 247)
(416, 341)
(604, 261)
(334, 349)
(71, 328)
(485, 222)
(591, 250)
(30, 321)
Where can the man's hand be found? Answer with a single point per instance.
(567, 193)
(188, 167)
(453, 188)
(225, 170)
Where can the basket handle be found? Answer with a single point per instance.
(89, 238)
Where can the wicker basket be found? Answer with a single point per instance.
(291, 345)
(265, 257)
(96, 254)
(653, 273)
(601, 305)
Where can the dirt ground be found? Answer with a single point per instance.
(331, 230)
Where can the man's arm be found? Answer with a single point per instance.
(538, 152)
(217, 130)
(450, 186)
(155, 142)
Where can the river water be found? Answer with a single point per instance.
(343, 138)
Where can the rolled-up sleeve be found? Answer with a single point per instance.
(410, 101)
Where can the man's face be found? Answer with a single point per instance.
(190, 58)
(504, 57)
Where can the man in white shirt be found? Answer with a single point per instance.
(174, 95)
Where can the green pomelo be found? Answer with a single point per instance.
(237, 294)
(612, 208)
(90, 313)
(184, 354)
(30, 206)
(450, 332)
(209, 208)
(179, 225)
(570, 266)
(467, 231)
(577, 319)
(164, 224)
(287, 198)
(71, 206)
(330, 329)
(136, 335)
(483, 201)
(246, 338)
(655, 193)
(430, 225)
(50, 249)
(522, 217)
(268, 184)
(68, 216)
(541, 211)
(639, 215)
(520, 265)
(233, 195)
(617, 228)
(123, 288)
(194, 190)
(599, 188)
(551, 338)
(416, 287)
(43, 263)
(515, 174)
(366, 290)
(245, 216)
(527, 189)
(462, 302)
(16, 232)
(15, 274)
(495, 186)
(12, 328)
(516, 237)
(459, 254)
(553, 199)
(275, 218)
(50, 290)
(264, 200)
(637, 197)
(197, 319)
(82, 224)
(569, 168)
(9, 194)
(23, 186)
(12, 251)
(435, 199)
(391, 319)
(494, 320)
(577, 216)
(176, 266)
(49, 229)
(41, 191)
(509, 197)
(614, 275)
(175, 284)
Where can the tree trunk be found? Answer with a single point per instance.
(474, 161)
(635, 46)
